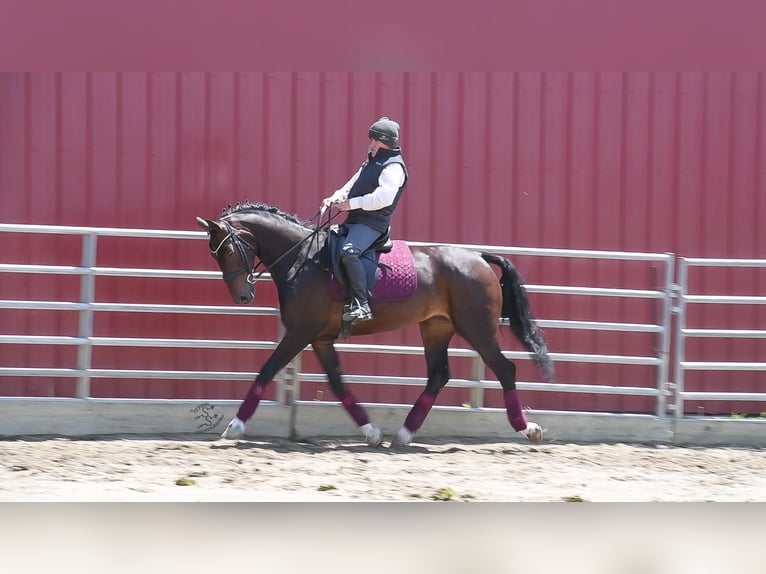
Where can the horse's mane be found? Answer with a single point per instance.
(249, 207)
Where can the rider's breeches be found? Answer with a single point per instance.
(358, 240)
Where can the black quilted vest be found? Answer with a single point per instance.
(368, 181)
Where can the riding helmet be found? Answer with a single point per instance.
(386, 131)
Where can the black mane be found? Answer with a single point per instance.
(249, 207)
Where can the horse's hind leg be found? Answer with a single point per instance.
(436, 333)
(482, 337)
(328, 358)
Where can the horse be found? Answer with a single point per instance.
(457, 291)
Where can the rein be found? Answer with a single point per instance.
(243, 245)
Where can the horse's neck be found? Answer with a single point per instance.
(278, 240)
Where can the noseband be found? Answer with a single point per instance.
(242, 246)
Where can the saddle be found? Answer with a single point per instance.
(388, 265)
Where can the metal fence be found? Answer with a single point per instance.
(288, 384)
(684, 334)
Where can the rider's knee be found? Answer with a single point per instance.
(348, 251)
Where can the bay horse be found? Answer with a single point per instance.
(457, 292)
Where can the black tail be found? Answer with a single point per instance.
(516, 310)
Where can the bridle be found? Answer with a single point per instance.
(243, 246)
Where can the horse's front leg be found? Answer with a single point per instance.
(290, 345)
(328, 358)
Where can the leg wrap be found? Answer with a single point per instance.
(251, 402)
(419, 412)
(513, 407)
(354, 409)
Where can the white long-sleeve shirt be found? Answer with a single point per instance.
(389, 182)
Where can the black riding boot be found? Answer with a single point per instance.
(360, 309)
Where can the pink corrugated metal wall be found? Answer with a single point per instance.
(660, 162)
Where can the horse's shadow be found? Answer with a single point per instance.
(316, 446)
(305, 445)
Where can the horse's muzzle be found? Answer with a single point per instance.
(244, 300)
(243, 297)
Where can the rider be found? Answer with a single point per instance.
(369, 197)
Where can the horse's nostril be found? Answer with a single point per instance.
(243, 299)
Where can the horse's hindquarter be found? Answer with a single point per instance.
(466, 280)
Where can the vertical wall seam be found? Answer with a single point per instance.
(676, 166)
(459, 166)
(58, 151)
(208, 129)
(118, 145)
(623, 179)
(542, 158)
(432, 191)
(178, 156)
(757, 169)
(27, 145)
(730, 160)
(89, 145)
(515, 167)
(294, 160)
(350, 153)
(650, 165)
(236, 134)
(704, 168)
(568, 152)
(406, 89)
(487, 166)
(596, 145)
(149, 111)
(321, 134)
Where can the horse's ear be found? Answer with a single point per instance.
(205, 224)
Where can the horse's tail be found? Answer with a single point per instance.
(516, 310)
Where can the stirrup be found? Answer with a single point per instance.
(358, 313)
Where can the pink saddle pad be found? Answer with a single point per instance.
(397, 278)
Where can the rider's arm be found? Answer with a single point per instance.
(389, 182)
(342, 193)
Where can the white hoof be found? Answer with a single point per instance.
(534, 432)
(403, 437)
(235, 430)
(372, 434)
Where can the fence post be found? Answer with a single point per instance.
(87, 296)
(683, 272)
(477, 374)
(664, 368)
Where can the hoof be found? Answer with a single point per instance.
(403, 437)
(534, 432)
(235, 430)
(372, 435)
